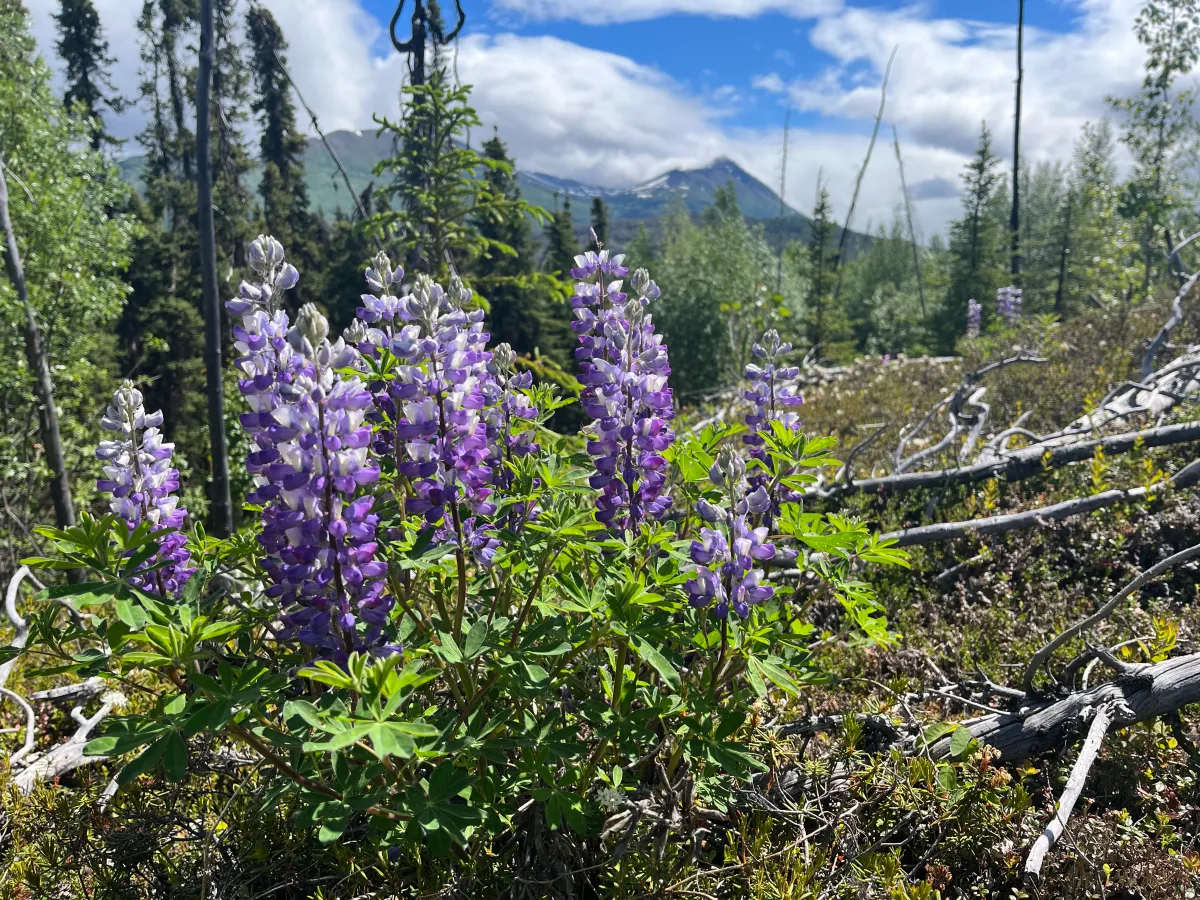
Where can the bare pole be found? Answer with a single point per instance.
(837, 262)
(221, 516)
(1014, 221)
(787, 121)
(39, 365)
(912, 232)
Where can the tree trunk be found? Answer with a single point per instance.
(39, 365)
(1060, 291)
(222, 513)
(1014, 222)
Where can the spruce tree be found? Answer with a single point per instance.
(438, 190)
(231, 161)
(523, 310)
(822, 251)
(978, 251)
(600, 220)
(281, 148)
(82, 46)
(161, 327)
(558, 256)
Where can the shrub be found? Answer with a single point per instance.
(445, 623)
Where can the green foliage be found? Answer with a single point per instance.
(545, 687)
(439, 190)
(74, 252)
(978, 243)
(526, 310)
(560, 246)
(717, 280)
(82, 47)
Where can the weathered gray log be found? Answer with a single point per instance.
(1171, 324)
(1153, 691)
(1019, 465)
(948, 531)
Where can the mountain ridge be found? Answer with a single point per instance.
(642, 204)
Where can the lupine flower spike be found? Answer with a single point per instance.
(729, 549)
(139, 476)
(319, 534)
(974, 318)
(1008, 305)
(774, 400)
(625, 368)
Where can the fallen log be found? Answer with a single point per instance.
(1017, 466)
(1147, 692)
(948, 531)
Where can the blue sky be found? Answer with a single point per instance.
(614, 92)
(710, 55)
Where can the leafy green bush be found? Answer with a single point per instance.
(448, 625)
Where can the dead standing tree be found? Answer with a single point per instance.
(39, 365)
(424, 31)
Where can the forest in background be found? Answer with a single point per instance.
(1088, 235)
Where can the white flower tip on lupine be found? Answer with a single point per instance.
(312, 325)
(355, 333)
(115, 699)
(503, 357)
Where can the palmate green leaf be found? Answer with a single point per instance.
(46, 562)
(131, 614)
(174, 757)
(773, 671)
(476, 636)
(340, 740)
(329, 673)
(124, 734)
(659, 662)
(449, 649)
(389, 739)
(144, 761)
(207, 717)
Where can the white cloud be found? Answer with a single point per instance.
(950, 74)
(606, 119)
(602, 12)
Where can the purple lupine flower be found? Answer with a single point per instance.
(624, 370)
(773, 399)
(726, 555)
(318, 531)
(508, 404)
(382, 310)
(1008, 305)
(974, 318)
(265, 361)
(139, 476)
(448, 444)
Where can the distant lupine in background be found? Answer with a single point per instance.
(624, 375)
(1008, 305)
(974, 318)
(139, 476)
(773, 398)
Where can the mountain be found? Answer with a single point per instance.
(628, 208)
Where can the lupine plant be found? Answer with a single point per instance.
(974, 318)
(443, 620)
(1008, 305)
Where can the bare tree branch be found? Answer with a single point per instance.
(1101, 720)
